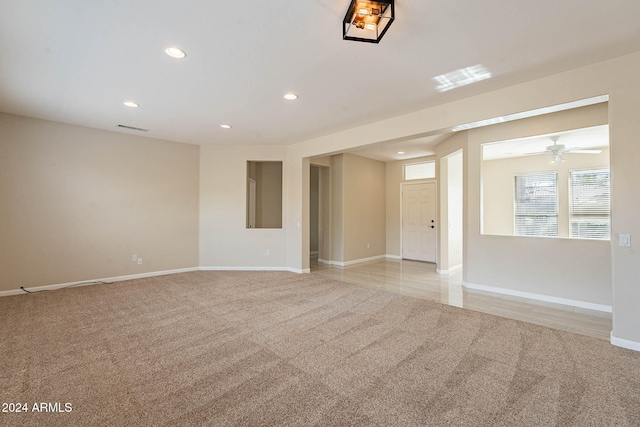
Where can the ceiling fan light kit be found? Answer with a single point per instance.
(367, 21)
(556, 158)
(557, 150)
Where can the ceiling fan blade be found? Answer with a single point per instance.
(534, 153)
(584, 151)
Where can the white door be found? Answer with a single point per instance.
(419, 221)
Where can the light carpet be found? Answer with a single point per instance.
(276, 348)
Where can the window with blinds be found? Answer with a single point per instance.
(590, 204)
(536, 204)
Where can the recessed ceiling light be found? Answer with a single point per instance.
(290, 96)
(174, 52)
(131, 104)
(400, 152)
(225, 126)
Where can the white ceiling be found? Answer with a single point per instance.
(586, 138)
(76, 61)
(401, 150)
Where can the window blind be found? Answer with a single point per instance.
(590, 204)
(536, 204)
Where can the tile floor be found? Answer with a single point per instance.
(420, 280)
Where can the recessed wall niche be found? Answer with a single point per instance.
(264, 194)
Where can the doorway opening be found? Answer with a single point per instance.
(320, 214)
(451, 213)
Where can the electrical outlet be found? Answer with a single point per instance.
(368, 245)
(139, 261)
(267, 252)
(134, 258)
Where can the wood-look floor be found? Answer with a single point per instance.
(420, 280)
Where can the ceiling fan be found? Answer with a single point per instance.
(556, 151)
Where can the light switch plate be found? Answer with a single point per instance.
(625, 240)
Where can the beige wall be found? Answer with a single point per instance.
(564, 268)
(573, 269)
(325, 226)
(337, 208)
(77, 203)
(270, 190)
(224, 239)
(364, 208)
(357, 208)
(314, 207)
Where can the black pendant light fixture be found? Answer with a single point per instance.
(367, 21)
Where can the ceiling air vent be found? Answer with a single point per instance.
(133, 128)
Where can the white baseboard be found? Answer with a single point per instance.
(95, 281)
(540, 297)
(619, 342)
(244, 268)
(450, 270)
(389, 256)
(357, 261)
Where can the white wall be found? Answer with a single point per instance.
(451, 171)
(455, 209)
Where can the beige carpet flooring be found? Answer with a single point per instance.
(275, 348)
